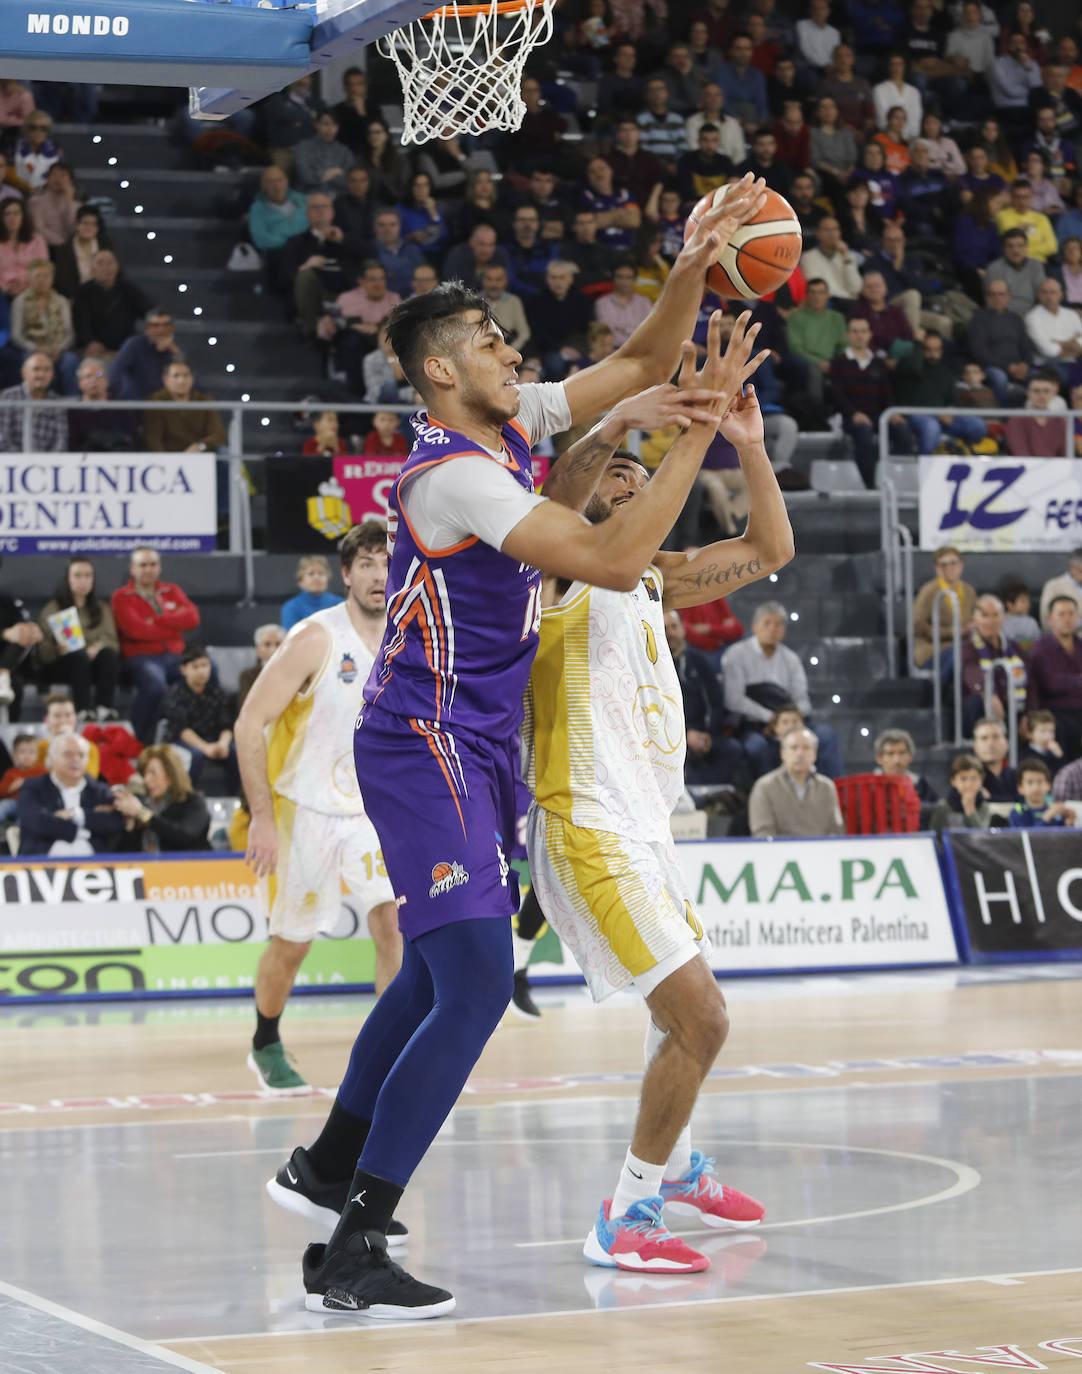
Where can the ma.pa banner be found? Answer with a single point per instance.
(152, 926)
(107, 503)
(793, 905)
(995, 504)
(1020, 892)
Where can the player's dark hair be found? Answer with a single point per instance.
(432, 324)
(630, 457)
(370, 536)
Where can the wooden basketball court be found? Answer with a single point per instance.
(914, 1137)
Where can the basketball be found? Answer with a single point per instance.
(761, 255)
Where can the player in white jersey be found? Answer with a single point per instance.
(309, 832)
(604, 747)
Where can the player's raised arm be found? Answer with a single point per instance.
(652, 353)
(615, 553)
(767, 542)
(296, 661)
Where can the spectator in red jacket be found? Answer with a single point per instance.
(150, 616)
(711, 627)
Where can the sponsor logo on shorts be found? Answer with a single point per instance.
(347, 669)
(504, 870)
(446, 876)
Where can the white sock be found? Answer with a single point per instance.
(522, 950)
(638, 1179)
(679, 1161)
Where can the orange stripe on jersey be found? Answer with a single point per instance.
(443, 769)
(433, 633)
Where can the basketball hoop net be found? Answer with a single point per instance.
(461, 66)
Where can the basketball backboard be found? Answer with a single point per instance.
(245, 50)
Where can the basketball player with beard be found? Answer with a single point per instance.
(603, 741)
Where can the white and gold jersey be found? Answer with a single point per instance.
(603, 735)
(310, 746)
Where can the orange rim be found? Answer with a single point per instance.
(471, 11)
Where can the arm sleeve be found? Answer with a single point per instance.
(465, 497)
(543, 409)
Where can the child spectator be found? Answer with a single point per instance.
(1038, 731)
(1018, 624)
(325, 442)
(24, 753)
(198, 714)
(313, 573)
(964, 807)
(60, 719)
(385, 439)
(1033, 811)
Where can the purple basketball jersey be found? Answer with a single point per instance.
(462, 622)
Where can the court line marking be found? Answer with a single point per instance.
(966, 1178)
(346, 1324)
(97, 1328)
(32, 1120)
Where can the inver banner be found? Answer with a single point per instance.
(107, 502)
(994, 504)
(174, 924)
(1020, 892)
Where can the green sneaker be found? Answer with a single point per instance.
(275, 1073)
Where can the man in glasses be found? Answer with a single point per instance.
(137, 369)
(102, 430)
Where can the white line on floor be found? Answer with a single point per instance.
(111, 1333)
(965, 1179)
(373, 1325)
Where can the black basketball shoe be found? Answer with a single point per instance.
(360, 1277)
(522, 1003)
(297, 1188)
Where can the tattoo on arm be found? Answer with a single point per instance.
(714, 575)
(574, 476)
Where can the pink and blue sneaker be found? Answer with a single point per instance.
(640, 1240)
(700, 1194)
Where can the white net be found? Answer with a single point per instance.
(461, 66)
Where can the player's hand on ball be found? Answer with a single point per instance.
(743, 424)
(743, 202)
(661, 406)
(262, 853)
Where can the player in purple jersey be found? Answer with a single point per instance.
(469, 540)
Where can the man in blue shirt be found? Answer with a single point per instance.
(398, 258)
(137, 369)
(744, 86)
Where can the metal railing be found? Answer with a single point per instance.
(1009, 667)
(956, 666)
(984, 413)
(240, 507)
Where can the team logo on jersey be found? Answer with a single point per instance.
(651, 588)
(347, 669)
(446, 876)
(504, 870)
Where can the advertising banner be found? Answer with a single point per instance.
(151, 925)
(107, 502)
(988, 505)
(851, 902)
(312, 502)
(1020, 892)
